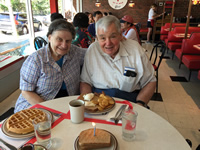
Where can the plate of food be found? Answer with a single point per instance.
(20, 126)
(96, 103)
(103, 140)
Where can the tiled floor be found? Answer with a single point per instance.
(178, 107)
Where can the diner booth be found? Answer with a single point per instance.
(169, 121)
(9, 74)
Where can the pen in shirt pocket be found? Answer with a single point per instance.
(129, 72)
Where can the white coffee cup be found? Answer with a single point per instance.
(77, 110)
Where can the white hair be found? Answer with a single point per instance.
(106, 21)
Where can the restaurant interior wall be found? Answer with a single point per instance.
(140, 11)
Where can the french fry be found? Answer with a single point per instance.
(102, 101)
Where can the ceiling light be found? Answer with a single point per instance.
(97, 4)
(131, 3)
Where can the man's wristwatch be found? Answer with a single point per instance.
(143, 103)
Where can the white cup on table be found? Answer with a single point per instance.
(77, 110)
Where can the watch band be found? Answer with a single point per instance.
(141, 102)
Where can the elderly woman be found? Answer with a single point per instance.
(119, 68)
(54, 70)
(83, 38)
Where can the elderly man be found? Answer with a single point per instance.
(119, 68)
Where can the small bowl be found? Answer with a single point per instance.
(39, 147)
(36, 147)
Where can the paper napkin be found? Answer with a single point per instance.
(15, 142)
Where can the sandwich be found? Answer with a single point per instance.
(87, 139)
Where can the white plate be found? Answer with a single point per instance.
(114, 144)
(12, 135)
(105, 111)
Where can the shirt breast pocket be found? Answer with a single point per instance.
(127, 83)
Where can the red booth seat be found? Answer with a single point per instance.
(190, 29)
(180, 30)
(174, 45)
(179, 53)
(187, 46)
(163, 37)
(189, 55)
(164, 32)
(166, 41)
(174, 42)
(191, 61)
(167, 26)
(143, 31)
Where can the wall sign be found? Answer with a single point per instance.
(117, 4)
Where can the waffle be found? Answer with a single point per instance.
(21, 122)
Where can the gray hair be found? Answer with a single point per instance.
(106, 21)
(60, 25)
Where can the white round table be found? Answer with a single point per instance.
(152, 131)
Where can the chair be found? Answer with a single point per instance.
(156, 63)
(138, 27)
(39, 42)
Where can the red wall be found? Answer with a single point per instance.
(140, 11)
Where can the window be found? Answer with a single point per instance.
(20, 44)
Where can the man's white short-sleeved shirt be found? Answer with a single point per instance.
(101, 71)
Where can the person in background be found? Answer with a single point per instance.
(83, 38)
(90, 16)
(96, 16)
(151, 18)
(118, 67)
(129, 31)
(87, 13)
(110, 13)
(105, 14)
(55, 16)
(52, 71)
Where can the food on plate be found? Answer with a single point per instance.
(97, 102)
(87, 140)
(21, 122)
(88, 96)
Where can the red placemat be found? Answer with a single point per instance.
(67, 116)
(103, 121)
(61, 118)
